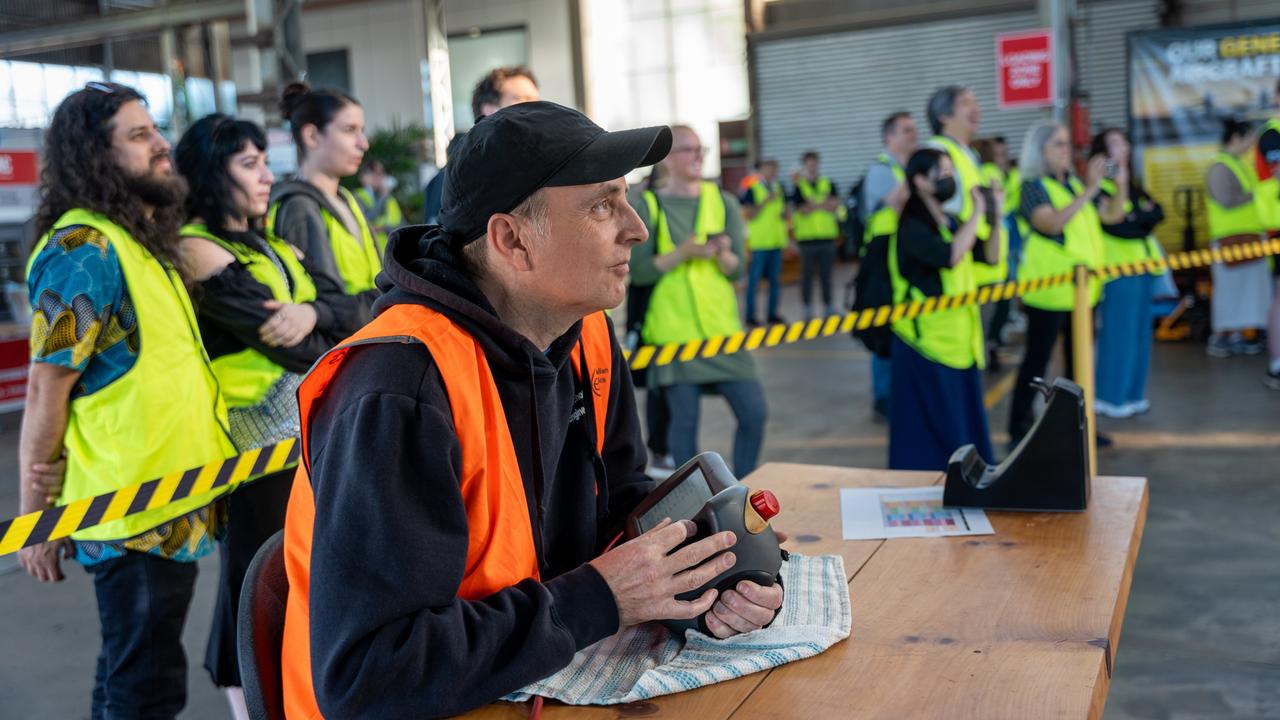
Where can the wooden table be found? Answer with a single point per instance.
(1020, 624)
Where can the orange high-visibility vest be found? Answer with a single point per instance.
(500, 547)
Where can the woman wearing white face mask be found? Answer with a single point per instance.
(936, 405)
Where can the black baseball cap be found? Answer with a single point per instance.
(511, 154)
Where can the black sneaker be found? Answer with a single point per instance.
(880, 412)
(752, 322)
(1105, 441)
(1272, 380)
(777, 320)
(993, 359)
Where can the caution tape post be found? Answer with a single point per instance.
(1082, 359)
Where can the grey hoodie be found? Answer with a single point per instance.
(300, 223)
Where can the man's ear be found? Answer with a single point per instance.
(506, 242)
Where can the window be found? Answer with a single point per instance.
(329, 69)
(473, 55)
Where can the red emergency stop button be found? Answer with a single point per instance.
(765, 504)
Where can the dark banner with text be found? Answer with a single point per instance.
(1182, 83)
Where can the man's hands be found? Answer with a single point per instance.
(691, 248)
(645, 580)
(745, 608)
(1095, 173)
(41, 561)
(43, 483)
(44, 479)
(979, 202)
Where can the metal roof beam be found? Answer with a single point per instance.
(92, 31)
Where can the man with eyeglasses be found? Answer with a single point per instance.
(692, 258)
(120, 389)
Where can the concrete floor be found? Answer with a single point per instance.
(1201, 637)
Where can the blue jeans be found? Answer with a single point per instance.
(745, 398)
(142, 605)
(881, 373)
(765, 264)
(1124, 339)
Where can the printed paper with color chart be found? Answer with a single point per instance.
(877, 513)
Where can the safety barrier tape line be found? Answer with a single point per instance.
(802, 330)
(61, 521)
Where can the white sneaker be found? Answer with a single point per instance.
(1106, 409)
(1140, 407)
(660, 467)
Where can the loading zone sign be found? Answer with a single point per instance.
(1024, 69)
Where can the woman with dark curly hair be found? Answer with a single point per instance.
(265, 318)
(121, 387)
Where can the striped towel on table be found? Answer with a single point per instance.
(646, 661)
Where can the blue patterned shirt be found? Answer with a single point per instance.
(83, 319)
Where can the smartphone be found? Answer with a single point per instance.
(1110, 168)
(989, 194)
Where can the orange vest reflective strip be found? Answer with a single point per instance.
(500, 547)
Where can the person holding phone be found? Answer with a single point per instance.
(937, 400)
(1125, 336)
(1066, 230)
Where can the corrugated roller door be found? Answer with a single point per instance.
(831, 92)
(1101, 54)
(1207, 12)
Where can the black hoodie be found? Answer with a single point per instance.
(389, 637)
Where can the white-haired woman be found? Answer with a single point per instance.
(1066, 230)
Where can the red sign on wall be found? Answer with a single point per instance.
(18, 167)
(1024, 69)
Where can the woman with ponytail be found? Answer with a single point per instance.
(311, 211)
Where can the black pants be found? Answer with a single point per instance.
(254, 513)
(998, 320)
(1043, 329)
(142, 605)
(658, 417)
(817, 257)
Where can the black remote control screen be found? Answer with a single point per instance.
(684, 500)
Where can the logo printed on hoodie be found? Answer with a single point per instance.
(599, 377)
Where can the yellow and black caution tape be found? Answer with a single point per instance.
(59, 522)
(801, 330)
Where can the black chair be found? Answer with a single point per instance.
(260, 630)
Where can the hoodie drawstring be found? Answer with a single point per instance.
(539, 480)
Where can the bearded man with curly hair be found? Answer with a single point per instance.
(120, 389)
